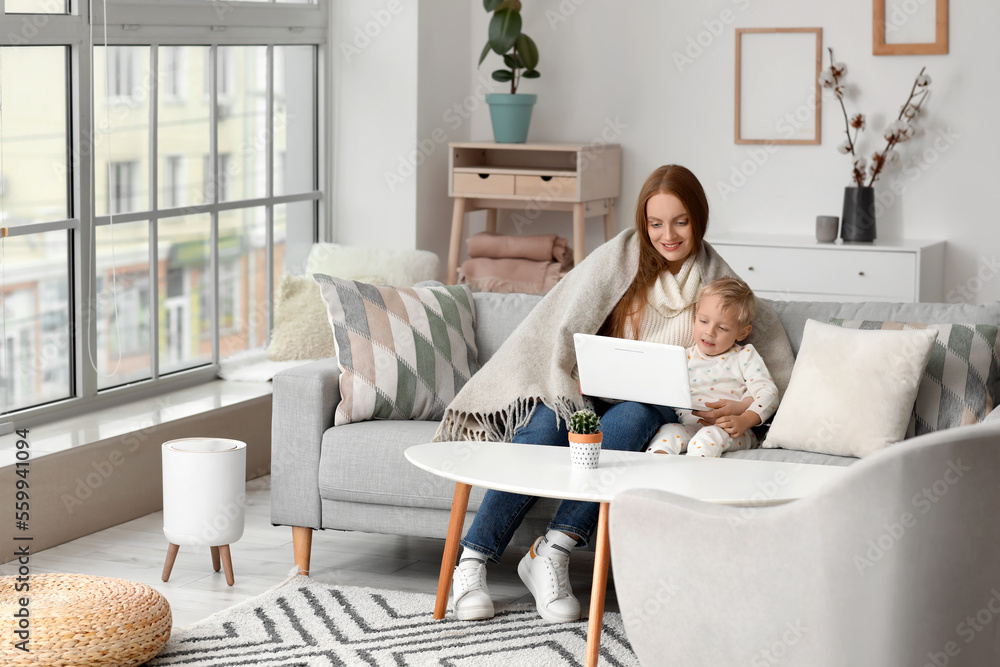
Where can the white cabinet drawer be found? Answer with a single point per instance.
(483, 184)
(863, 273)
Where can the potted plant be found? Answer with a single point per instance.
(585, 439)
(510, 112)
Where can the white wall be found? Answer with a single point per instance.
(613, 62)
(374, 51)
(441, 80)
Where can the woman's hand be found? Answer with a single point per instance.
(721, 408)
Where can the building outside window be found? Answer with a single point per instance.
(174, 181)
(121, 72)
(123, 182)
(174, 80)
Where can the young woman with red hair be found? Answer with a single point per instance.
(643, 285)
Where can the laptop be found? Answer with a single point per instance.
(633, 370)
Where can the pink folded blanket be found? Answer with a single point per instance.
(541, 247)
(509, 275)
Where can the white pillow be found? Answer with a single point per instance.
(374, 266)
(851, 391)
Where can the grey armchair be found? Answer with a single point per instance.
(895, 565)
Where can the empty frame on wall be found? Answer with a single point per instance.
(777, 85)
(909, 27)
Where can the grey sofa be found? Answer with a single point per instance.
(355, 477)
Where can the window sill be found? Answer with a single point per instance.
(131, 417)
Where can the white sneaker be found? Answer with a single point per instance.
(469, 591)
(547, 577)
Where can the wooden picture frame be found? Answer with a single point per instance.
(938, 47)
(786, 68)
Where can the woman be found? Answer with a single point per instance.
(641, 285)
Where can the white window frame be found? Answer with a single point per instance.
(153, 23)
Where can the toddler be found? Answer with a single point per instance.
(719, 367)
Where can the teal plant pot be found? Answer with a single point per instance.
(511, 116)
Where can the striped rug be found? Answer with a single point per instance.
(310, 624)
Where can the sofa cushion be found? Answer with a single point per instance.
(957, 386)
(403, 352)
(497, 315)
(793, 315)
(851, 392)
(364, 463)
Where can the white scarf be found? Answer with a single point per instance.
(674, 293)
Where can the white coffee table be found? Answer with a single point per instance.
(545, 471)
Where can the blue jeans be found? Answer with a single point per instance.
(626, 426)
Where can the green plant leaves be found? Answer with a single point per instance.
(505, 27)
(527, 50)
(531, 74)
(491, 5)
(482, 56)
(502, 75)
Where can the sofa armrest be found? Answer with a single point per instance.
(303, 404)
(993, 416)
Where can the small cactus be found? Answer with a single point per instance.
(584, 422)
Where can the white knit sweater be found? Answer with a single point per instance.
(669, 314)
(677, 330)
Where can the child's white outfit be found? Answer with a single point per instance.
(733, 375)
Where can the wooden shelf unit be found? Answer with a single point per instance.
(581, 178)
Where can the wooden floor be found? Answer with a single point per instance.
(263, 559)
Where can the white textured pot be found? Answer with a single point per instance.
(204, 491)
(585, 450)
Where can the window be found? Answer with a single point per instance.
(173, 181)
(121, 72)
(173, 74)
(225, 176)
(123, 180)
(171, 283)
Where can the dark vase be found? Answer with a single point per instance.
(858, 219)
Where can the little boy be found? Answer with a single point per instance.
(718, 367)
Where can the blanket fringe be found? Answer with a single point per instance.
(500, 426)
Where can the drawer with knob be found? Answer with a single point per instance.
(875, 275)
(484, 183)
(557, 187)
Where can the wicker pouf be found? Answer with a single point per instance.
(79, 620)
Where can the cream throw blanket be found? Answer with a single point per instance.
(538, 361)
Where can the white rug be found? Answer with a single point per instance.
(254, 366)
(310, 624)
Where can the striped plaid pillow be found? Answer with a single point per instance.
(403, 352)
(961, 378)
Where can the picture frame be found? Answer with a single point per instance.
(884, 20)
(778, 98)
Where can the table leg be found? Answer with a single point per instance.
(579, 233)
(491, 220)
(601, 559)
(459, 504)
(455, 249)
(609, 221)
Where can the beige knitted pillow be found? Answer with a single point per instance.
(301, 326)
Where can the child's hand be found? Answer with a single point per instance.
(721, 408)
(737, 425)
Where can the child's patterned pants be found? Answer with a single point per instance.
(710, 441)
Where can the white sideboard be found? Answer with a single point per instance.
(789, 267)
